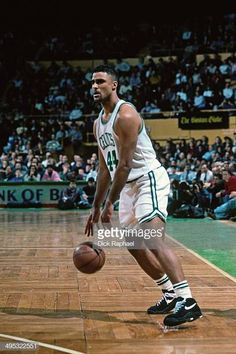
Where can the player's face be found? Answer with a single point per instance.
(102, 86)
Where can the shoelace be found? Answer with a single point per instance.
(179, 305)
(163, 299)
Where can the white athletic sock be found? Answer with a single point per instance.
(182, 289)
(165, 283)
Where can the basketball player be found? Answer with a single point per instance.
(129, 170)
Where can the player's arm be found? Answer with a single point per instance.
(126, 128)
(102, 184)
(103, 178)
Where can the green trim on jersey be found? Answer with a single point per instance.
(130, 104)
(142, 126)
(102, 121)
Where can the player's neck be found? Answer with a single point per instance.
(108, 108)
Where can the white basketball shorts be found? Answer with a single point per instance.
(145, 198)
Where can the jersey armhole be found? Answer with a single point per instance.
(141, 126)
(142, 122)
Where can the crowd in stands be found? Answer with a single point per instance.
(201, 174)
(152, 85)
(162, 36)
(44, 109)
(30, 167)
(174, 84)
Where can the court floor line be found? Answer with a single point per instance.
(203, 259)
(41, 344)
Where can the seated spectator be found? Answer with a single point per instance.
(122, 66)
(77, 163)
(40, 168)
(206, 175)
(175, 173)
(90, 189)
(199, 100)
(9, 173)
(187, 193)
(76, 113)
(62, 134)
(21, 167)
(214, 187)
(150, 107)
(228, 91)
(226, 210)
(3, 166)
(18, 177)
(33, 175)
(201, 194)
(229, 185)
(59, 164)
(227, 104)
(47, 160)
(92, 172)
(73, 197)
(64, 174)
(125, 87)
(188, 175)
(75, 136)
(53, 145)
(50, 174)
(81, 175)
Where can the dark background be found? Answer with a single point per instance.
(66, 14)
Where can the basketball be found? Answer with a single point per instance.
(88, 257)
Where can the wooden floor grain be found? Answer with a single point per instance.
(44, 298)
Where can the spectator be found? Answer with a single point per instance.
(92, 172)
(18, 177)
(50, 174)
(65, 173)
(9, 173)
(188, 175)
(226, 210)
(206, 175)
(33, 175)
(214, 187)
(229, 185)
(48, 159)
(90, 189)
(53, 145)
(73, 197)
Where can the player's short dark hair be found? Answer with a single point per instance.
(106, 69)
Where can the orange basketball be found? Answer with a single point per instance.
(88, 257)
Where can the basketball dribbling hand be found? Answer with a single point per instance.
(92, 219)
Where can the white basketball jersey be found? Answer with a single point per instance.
(144, 159)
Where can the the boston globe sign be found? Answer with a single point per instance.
(204, 120)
